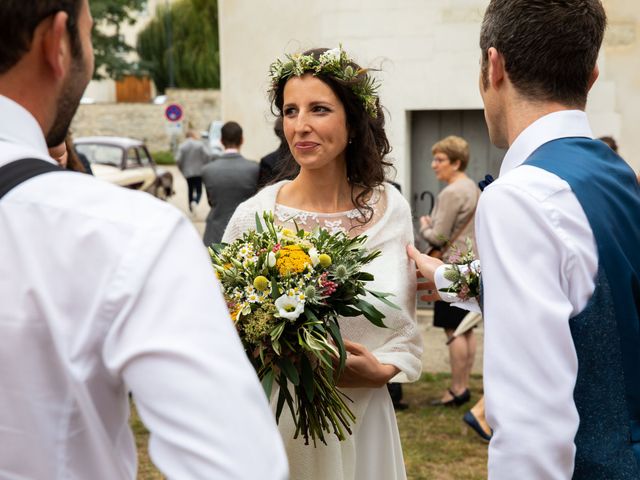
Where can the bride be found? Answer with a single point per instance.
(334, 126)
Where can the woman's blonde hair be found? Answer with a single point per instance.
(456, 148)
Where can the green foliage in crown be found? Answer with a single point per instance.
(334, 63)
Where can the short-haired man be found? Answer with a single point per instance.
(229, 180)
(105, 291)
(558, 235)
(192, 157)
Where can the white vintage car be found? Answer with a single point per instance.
(126, 162)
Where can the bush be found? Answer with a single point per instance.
(164, 158)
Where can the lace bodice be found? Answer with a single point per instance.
(350, 222)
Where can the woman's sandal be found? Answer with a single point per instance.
(456, 401)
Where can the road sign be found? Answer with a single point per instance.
(173, 112)
(173, 128)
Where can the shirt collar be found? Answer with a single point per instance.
(562, 124)
(19, 126)
(231, 150)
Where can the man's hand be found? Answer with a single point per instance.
(427, 267)
(59, 154)
(364, 370)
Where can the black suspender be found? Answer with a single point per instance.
(14, 173)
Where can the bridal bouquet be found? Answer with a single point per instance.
(285, 291)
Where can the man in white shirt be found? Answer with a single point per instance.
(105, 291)
(561, 352)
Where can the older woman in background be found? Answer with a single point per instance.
(446, 231)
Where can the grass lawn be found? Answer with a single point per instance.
(437, 444)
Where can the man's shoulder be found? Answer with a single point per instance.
(527, 180)
(96, 199)
(235, 161)
(250, 164)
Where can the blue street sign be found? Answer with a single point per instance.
(173, 112)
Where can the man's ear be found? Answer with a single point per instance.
(56, 49)
(496, 71)
(594, 76)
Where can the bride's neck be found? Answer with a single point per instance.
(318, 191)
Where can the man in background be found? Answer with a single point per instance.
(229, 181)
(272, 164)
(192, 157)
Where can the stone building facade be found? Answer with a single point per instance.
(427, 52)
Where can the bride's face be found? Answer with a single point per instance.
(315, 123)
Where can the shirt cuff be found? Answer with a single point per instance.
(470, 305)
(442, 283)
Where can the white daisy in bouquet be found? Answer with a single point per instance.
(285, 291)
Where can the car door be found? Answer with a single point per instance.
(137, 176)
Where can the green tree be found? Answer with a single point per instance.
(195, 45)
(110, 49)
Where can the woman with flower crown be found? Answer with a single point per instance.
(334, 126)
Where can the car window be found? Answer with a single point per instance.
(144, 157)
(133, 161)
(101, 154)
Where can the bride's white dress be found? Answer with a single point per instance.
(373, 451)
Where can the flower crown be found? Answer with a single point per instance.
(334, 63)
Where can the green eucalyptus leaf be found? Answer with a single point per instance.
(365, 277)
(258, 224)
(334, 330)
(383, 298)
(281, 396)
(307, 378)
(289, 370)
(267, 383)
(371, 313)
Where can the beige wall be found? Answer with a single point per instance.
(427, 51)
(622, 51)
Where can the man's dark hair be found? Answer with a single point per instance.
(613, 145)
(550, 47)
(20, 18)
(278, 129)
(231, 135)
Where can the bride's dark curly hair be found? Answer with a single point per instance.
(368, 146)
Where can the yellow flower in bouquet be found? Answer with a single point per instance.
(292, 260)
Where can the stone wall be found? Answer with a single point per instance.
(146, 121)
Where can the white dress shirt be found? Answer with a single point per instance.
(104, 290)
(539, 261)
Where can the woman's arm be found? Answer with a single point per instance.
(440, 230)
(400, 344)
(243, 219)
